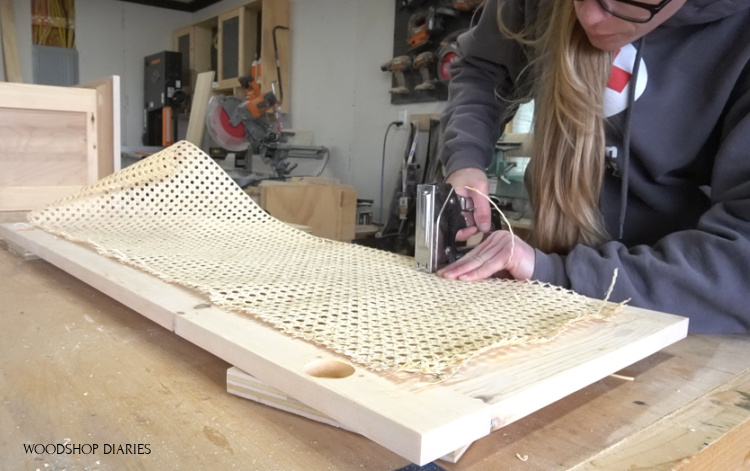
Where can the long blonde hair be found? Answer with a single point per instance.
(567, 164)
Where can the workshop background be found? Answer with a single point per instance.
(339, 91)
(79, 364)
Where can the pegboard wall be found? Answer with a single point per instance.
(424, 38)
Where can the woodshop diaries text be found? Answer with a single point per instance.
(87, 448)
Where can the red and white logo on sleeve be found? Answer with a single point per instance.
(616, 94)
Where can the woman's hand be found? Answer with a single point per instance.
(493, 257)
(477, 179)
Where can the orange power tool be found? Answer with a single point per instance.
(257, 102)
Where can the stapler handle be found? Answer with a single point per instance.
(454, 222)
(467, 209)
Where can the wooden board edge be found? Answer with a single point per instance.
(47, 97)
(107, 123)
(25, 198)
(599, 366)
(103, 273)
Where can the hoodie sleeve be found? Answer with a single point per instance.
(701, 273)
(481, 79)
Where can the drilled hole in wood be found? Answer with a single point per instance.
(329, 369)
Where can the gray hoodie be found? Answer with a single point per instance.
(676, 196)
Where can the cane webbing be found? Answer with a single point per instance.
(180, 217)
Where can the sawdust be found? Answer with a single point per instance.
(178, 216)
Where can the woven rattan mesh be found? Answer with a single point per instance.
(179, 216)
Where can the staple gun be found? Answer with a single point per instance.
(441, 213)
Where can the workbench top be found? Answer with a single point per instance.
(78, 368)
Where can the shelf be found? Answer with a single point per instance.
(229, 42)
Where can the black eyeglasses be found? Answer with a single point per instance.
(631, 10)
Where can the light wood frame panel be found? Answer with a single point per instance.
(54, 140)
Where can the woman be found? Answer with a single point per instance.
(641, 159)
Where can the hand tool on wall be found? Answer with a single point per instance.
(424, 24)
(424, 62)
(397, 66)
(421, 25)
(466, 5)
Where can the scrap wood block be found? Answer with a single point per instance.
(245, 385)
(19, 250)
(330, 210)
(248, 386)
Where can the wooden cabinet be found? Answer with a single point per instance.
(237, 45)
(231, 41)
(198, 55)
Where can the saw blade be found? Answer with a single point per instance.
(221, 130)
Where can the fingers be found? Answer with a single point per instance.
(476, 179)
(486, 259)
(482, 212)
(500, 254)
(465, 234)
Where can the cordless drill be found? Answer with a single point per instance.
(397, 66)
(424, 62)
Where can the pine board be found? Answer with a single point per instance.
(108, 135)
(417, 421)
(202, 93)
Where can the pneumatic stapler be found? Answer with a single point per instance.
(441, 213)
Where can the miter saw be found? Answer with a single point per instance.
(246, 125)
